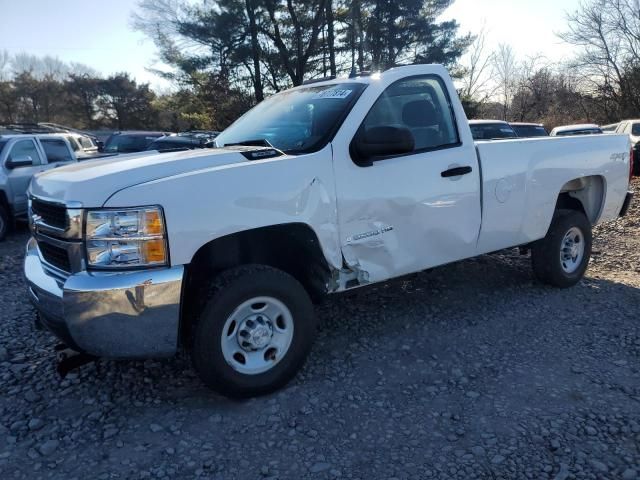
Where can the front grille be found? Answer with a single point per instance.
(52, 214)
(56, 256)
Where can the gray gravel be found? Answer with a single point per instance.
(469, 371)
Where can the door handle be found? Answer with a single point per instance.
(456, 172)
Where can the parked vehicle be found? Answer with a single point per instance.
(491, 130)
(569, 130)
(320, 189)
(21, 157)
(83, 145)
(130, 141)
(184, 140)
(611, 128)
(632, 128)
(529, 130)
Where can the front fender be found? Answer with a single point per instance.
(208, 204)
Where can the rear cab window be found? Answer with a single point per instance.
(56, 150)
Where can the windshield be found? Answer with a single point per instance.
(492, 131)
(128, 143)
(530, 131)
(295, 121)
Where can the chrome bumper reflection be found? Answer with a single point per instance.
(126, 314)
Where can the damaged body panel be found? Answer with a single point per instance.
(235, 197)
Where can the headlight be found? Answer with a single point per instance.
(127, 237)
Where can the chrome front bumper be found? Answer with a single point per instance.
(133, 314)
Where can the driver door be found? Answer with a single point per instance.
(20, 176)
(404, 213)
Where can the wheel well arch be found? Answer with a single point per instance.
(585, 194)
(291, 247)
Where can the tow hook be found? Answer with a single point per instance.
(68, 359)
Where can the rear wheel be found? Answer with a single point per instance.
(254, 332)
(562, 257)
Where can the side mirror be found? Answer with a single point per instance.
(17, 162)
(380, 142)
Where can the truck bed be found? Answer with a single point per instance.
(521, 180)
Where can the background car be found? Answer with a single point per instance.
(83, 144)
(611, 128)
(529, 130)
(583, 129)
(632, 128)
(491, 130)
(131, 141)
(185, 140)
(21, 157)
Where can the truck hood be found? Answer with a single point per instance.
(92, 182)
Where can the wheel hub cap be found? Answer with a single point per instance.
(255, 333)
(572, 250)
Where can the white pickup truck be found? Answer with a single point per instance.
(320, 189)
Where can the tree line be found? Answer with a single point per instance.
(34, 89)
(600, 84)
(223, 56)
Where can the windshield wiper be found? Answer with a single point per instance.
(258, 142)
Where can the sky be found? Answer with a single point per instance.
(529, 26)
(98, 33)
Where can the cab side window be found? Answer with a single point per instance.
(24, 150)
(421, 105)
(56, 150)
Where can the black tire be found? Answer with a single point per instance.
(545, 253)
(229, 290)
(4, 222)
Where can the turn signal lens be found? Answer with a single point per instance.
(154, 252)
(153, 222)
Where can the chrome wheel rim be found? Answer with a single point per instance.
(572, 250)
(257, 335)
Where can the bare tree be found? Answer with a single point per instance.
(505, 71)
(608, 37)
(5, 60)
(477, 82)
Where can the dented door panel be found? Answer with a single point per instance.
(400, 216)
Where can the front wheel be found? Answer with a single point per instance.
(562, 257)
(254, 332)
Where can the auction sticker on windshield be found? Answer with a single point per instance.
(339, 93)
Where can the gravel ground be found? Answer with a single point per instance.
(469, 371)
